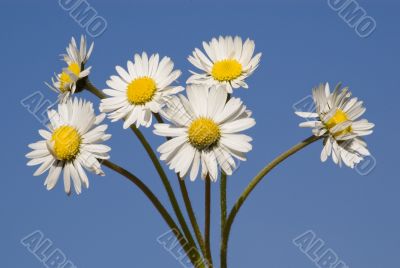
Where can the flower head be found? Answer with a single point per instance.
(204, 132)
(71, 143)
(78, 56)
(229, 62)
(336, 119)
(65, 83)
(142, 90)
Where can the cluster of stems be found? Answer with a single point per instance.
(197, 247)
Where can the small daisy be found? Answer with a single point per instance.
(76, 58)
(73, 142)
(228, 62)
(205, 130)
(142, 90)
(336, 120)
(65, 83)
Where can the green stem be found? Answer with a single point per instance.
(223, 200)
(160, 208)
(92, 89)
(171, 195)
(250, 188)
(188, 205)
(192, 216)
(166, 184)
(207, 219)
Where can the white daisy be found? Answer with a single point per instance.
(336, 119)
(142, 90)
(228, 62)
(76, 58)
(205, 129)
(71, 144)
(65, 83)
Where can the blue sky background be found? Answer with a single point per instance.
(303, 43)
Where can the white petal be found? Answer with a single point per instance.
(238, 125)
(306, 114)
(45, 166)
(67, 180)
(53, 175)
(195, 166)
(75, 178)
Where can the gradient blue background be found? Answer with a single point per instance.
(303, 43)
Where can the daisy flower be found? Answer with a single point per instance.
(204, 132)
(228, 62)
(141, 90)
(337, 120)
(71, 143)
(76, 58)
(65, 83)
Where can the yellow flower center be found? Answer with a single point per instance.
(64, 81)
(141, 90)
(67, 142)
(74, 68)
(65, 78)
(226, 70)
(338, 118)
(204, 133)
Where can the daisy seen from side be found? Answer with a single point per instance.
(337, 120)
(65, 83)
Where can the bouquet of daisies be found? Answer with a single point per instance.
(202, 125)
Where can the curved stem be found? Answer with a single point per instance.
(207, 219)
(92, 89)
(188, 204)
(195, 258)
(171, 195)
(250, 187)
(166, 183)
